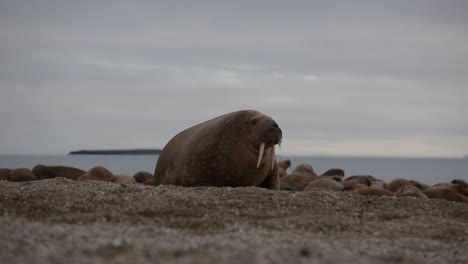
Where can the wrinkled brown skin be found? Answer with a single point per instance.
(21, 174)
(463, 185)
(335, 178)
(397, 184)
(4, 174)
(96, 174)
(419, 185)
(353, 185)
(448, 192)
(459, 181)
(378, 184)
(281, 172)
(150, 181)
(299, 178)
(222, 152)
(364, 179)
(304, 168)
(143, 176)
(461, 189)
(373, 192)
(324, 184)
(122, 178)
(284, 164)
(334, 172)
(48, 172)
(283, 167)
(356, 182)
(411, 191)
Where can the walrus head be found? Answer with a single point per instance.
(266, 133)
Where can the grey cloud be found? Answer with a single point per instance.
(78, 74)
(380, 38)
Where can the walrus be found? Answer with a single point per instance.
(373, 192)
(398, 183)
(450, 192)
(304, 168)
(21, 174)
(357, 182)
(123, 178)
(334, 172)
(4, 174)
(419, 185)
(283, 167)
(378, 184)
(150, 181)
(452, 186)
(284, 164)
(96, 174)
(353, 185)
(235, 149)
(335, 178)
(143, 176)
(410, 191)
(364, 179)
(324, 184)
(299, 178)
(48, 172)
(463, 184)
(281, 172)
(460, 182)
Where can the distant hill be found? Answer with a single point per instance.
(117, 152)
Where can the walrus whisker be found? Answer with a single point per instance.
(260, 154)
(272, 157)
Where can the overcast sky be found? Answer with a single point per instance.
(361, 78)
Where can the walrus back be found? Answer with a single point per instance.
(178, 150)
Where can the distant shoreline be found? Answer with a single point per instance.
(117, 152)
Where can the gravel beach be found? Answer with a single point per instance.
(64, 221)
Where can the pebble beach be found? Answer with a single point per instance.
(65, 221)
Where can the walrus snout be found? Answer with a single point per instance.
(274, 140)
(275, 125)
(270, 135)
(276, 135)
(267, 131)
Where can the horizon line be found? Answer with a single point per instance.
(296, 155)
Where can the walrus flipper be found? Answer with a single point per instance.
(272, 180)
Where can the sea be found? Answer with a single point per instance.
(426, 170)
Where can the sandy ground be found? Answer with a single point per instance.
(64, 221)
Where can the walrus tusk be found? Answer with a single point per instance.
(273, 157)
(260, 154)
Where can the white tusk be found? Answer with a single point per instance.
(260, 154)
(273, 159)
